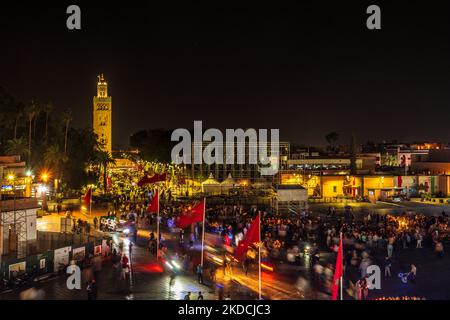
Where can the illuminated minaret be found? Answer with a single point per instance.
(102, 120)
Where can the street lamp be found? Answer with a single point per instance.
(43, 189)
(44, 177)
(11, 178)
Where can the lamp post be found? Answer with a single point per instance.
(44, 178)
(11, 178)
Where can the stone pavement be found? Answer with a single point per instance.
(432, 280)
(148, 280)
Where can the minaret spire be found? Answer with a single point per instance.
(102, 115)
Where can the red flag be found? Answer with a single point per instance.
(159, 177)
(153, 207)
(87, 197)
(338, 273)
(195, 215)
(253, 235)
(155, 178)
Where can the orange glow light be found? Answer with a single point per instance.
(266, 267)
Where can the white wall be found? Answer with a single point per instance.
(31, 214)
(292, 195)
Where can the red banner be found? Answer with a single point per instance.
(253, 235)
(153, 207)
(156, 178)
(87, 197)
(338, 273)
(194, 215)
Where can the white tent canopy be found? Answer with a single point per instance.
(211, 185)
(228, 184)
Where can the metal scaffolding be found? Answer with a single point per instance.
(17, 220)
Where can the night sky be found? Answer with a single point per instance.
(307, 69)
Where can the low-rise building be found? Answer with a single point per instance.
(15, 177)
(333, 164)
(436, 162)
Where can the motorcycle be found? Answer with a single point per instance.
(404, 277)
(16, 282)
(25, 279)
(6, 286)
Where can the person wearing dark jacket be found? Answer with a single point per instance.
(92, 290)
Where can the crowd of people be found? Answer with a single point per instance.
(378, 237)
(366, 237)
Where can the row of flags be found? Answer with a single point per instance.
(197, 214)
(87, 199)
(253, 235)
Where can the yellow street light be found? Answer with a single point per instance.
(11, 177)
(44, 177)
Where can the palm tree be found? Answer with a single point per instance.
(353, 152)
(17, 147)
(104, 159)
(48, 108)
(67, 118)
(54, 159)
(37, 112)
(331, 138)
(19, 114)
(30, 110)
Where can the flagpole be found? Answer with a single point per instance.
(259, 256)
(157, 228)
(341, 280)
(203, 229)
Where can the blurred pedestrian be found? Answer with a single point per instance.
(212, 273)
(390, 248)
(200, 273)
(439, 248)
(92, 290)
(387, 267)
(413, 273)
(220, 293)
(125, 266)
(246, 265)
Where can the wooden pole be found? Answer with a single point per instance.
(157, 228)
(259, 256)
(203, 229)
(341, 280)
(90, 203)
